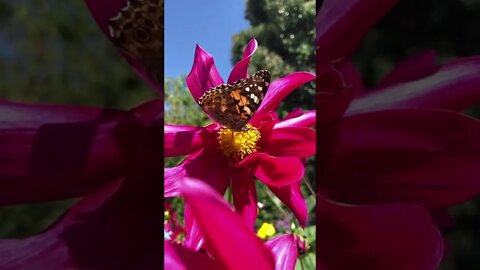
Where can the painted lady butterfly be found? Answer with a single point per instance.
(138, 31)
(233, 105)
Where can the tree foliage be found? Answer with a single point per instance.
(285, 32)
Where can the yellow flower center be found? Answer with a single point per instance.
(239, 144)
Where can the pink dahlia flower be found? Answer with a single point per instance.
(403, 142)
(271, 150)
(110, 157)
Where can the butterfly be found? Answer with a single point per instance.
(138, 31)
(233, 105)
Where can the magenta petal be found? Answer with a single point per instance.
(227, 237)
(292, 197)
(180, 258)
(102, 11)
(245, 196)
(274, 171)
(294, 113)
(51, 152)
(182, 140)
(198, 165)
(426, 157)
(284, 250)
(413, 68)
(337, 84)
(98, 232)
(291, 141)
(307, 119)
(240, 70)
(335, 21)
(194, 237)
(393, 236)
(204, 75)
(456, 86)
(278, 90)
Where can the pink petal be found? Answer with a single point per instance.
(392, 236)
(422, 156)
(149, 111)
(199, 166)
(337, 84)
(112, 228)
(208, 165)
(278, 90)
(335, 21)
(307, 119)
(414, 68)
(291, 141)
(284, 250)
(274, 171)
(240, 70)
(194, 238)
(227, 237)
(293, 114)
(52, 152)
(292, 197)
(245, 196)
(182, 140)
(102, 11)
(456, 86)
(181, 258)
(204, 75)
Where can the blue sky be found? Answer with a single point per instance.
(210, 23)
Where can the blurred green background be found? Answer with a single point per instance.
(51, 51)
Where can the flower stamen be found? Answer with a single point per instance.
(239, 144)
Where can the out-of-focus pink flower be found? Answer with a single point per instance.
(111, 157)
(404, 140)
(277, 161)
(401, 142)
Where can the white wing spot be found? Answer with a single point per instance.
(119, 15)
(126, 7)
(111, 31)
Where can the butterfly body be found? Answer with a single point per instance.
(233, 105)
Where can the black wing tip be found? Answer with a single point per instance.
(263, 73)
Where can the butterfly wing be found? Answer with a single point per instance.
(138, 31)
(233, 105)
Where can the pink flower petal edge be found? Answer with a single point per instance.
(204, 74)
(421, 151)
(335, 21)
(284, 249)
(364, 235)
(274, 171)
(454, 86)
(181, 140)
(245, 196)
(240, 70)
(227, 236)
(278, 90)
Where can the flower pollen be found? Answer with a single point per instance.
(239, 144)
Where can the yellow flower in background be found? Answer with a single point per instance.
(266, 230)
